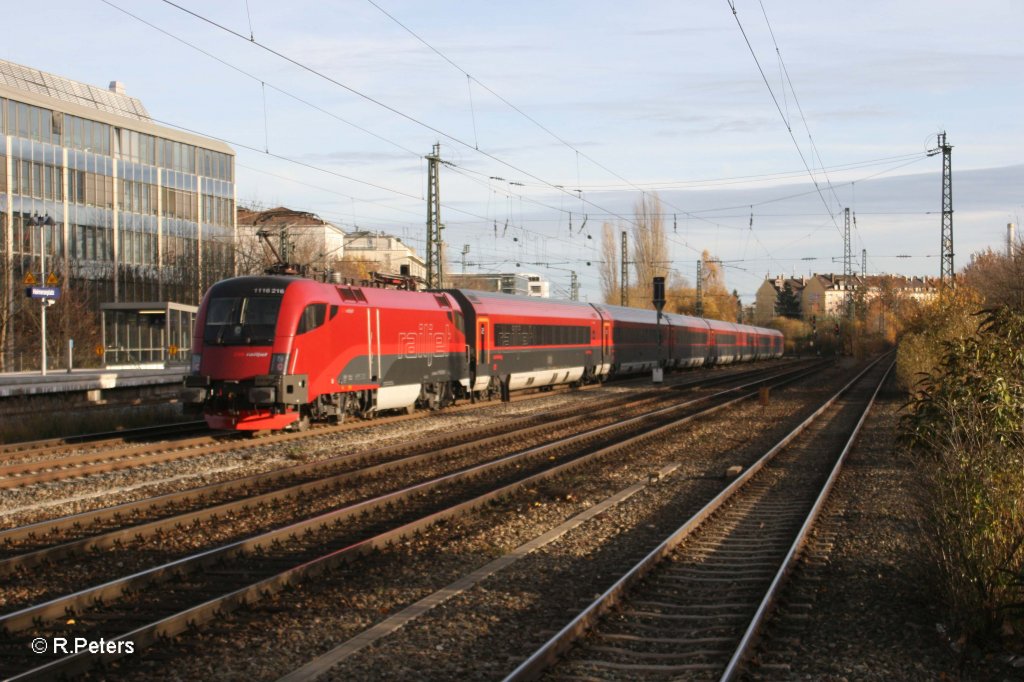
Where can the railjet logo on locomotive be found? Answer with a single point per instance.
(424, 343)
(276, 352)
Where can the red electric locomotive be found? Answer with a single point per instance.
(271, 352)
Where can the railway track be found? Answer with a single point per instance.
(693, 606)
(31, 545)
(249, 568)
(61, 459)
(10, 452)
(229, 510)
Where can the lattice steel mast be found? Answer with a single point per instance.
(847, 267)
(435, 267)
(947, 275)
(624, 274)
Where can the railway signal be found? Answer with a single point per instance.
(658, 299)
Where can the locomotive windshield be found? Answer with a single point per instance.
(241, 320)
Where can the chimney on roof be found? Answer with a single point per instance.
(117, 87)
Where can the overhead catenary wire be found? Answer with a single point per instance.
(368, 98)
(799, 108)
(258, 79)
(789, 128)
(532, 120)
(561, 188)
(524, 219)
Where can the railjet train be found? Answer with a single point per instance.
(275, 352)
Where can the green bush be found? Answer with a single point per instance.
(965, 427)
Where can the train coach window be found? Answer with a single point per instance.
(540, 335)
(312, 317)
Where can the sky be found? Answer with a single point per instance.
(754, 129)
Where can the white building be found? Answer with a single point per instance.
(516, 283)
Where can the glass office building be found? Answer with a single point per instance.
(139, 211)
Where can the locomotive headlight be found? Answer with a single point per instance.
(196, 359)
(278, 361)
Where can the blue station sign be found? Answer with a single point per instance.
(43, 292)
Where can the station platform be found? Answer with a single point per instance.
(89, 381)
(86, 386)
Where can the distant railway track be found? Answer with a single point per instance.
(219, 579)
(49, 447)
(74, 457)
(693, 606)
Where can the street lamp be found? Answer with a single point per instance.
(44, 223)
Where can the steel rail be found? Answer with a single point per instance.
(749, 637)
(192, 616)
(467, 440)
(58, 607)
(557, 645)
(87, 518)
(48, 445)
(105, 461)
(82, 519)
(99, 461)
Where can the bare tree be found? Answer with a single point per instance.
(609, 267)
(650, 245)
(719, 304)
(304, 246)
(355, 269)
(10, 305)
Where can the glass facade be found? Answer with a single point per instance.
(137, 216)
(148, 218)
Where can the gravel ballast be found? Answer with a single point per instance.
(872, 618)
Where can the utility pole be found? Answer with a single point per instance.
(863, 263)
(574, 287)
(700, 288)
(435, 270)
(624, 275)
(947, 275)
(847, 267)
(465, 250)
